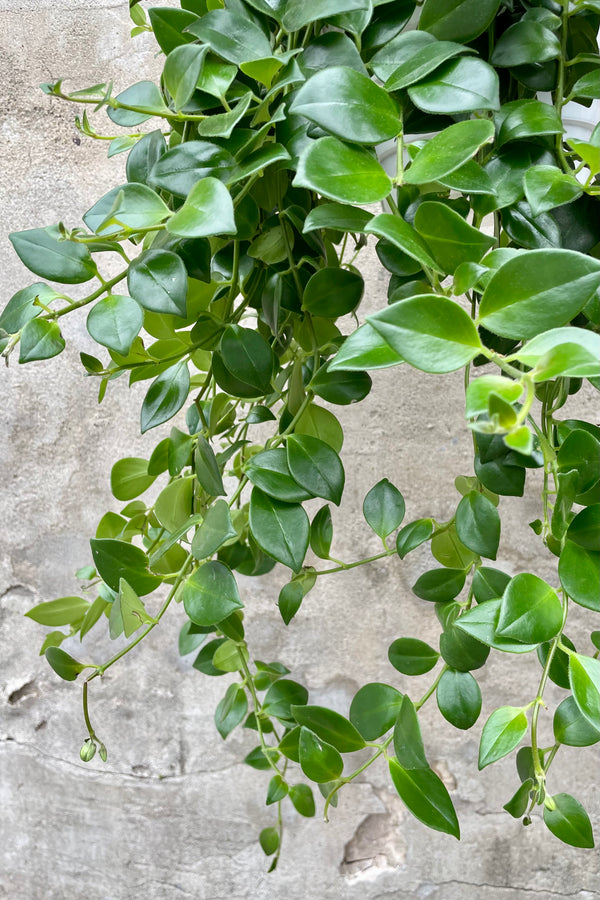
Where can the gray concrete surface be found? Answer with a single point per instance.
(175, 813)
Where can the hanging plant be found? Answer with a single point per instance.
(239, 232)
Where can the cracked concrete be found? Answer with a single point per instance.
(175, 813)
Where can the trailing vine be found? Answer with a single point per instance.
(241, 226)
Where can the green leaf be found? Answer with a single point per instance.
(298, 14)
(329, 726)
(431, 333)
(207, 468)
(191, 637)
(526, 43)
(21, 307)
(568, 821)
(341, 172)
(411, 57)
(280, 698)
(64, 611)
(115, 322)
(365, 348)
(479, 390)
(587, 86)
(413, 535)
(449, 238)
(530, 611)
(349, 105)
(566, 352)
(146, 100)
(571, 727)
(315, 466)
(374, 709)
(248, 357)
(584, 677)
(460, 650)
(503, 731)
(269, 841)
(63, 664)
(115, 560)
(40, 339)
(231, 710)
(280, 529)
(169, 27)
(340, 388)
(449, 150)
(181, 168)
(129, 478)
(459, 86)
(214, 531)
(204, 661)
(526, 118)
(333, 292)
(302, 799)
(208, 210)
(43, 252)
(158, 281)
(460, 20)
(440, 585)
(235, 38)
(546, 187)
(277, 789)
(143, 155)
(459, 698)
(412, 656)
(228, 655)
(321, 533)
(584, 530)
(337, 216)
(166, 395)
(481, 623)
(538, 291)
(210, 594)
(127, 613)
(270, 472)
(383, 508)
(579, 573)
(129, 206)
(425, 796)
(182, 70)
(478, 524)
(408, 744)
(319, 760)
(403, 236)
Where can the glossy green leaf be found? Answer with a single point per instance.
(280, 698)
(64, 611)
(40, 339)
(127, 613)
(321, 533)
(365, 348)
(518, 803)
(166, 395)
(526, 118)
(337, 216)
(478, 524)
(115, 560)
(182, 71)
(403, 236)
(449, 150)
(321, 423)
(538, 291)
(460, 20)
(329, 726)
(45, 254)
(169, 27)
(383, 508)
(584, 677)
(298, 14)
(129, 478)
(547, 187)
(374, 709)
(129, 206)
(280, 529)
(424, 795)
(341, 172)
(439, 585)
(349, 105)
(526, 43)
(503, 731)
(181, 168)
(315, 466)
(417, 55)
(269, 841)
(158, 281)
(459, 698)
(449, 238)
(565, 352)
(22, 306)
(208, 210)
(460, 650)
(432, 333)
(571, 727)
(584, 530)
(270, 472)
(479, 390)
(248, 357)
(333, 292)
(568, 821)
(214, 531)
(210, 594)
(207, 469)
(318, 760)
(236, 38)
(488, 583)
(412, 656)
(341, 388)
(302, 799)
(530, 611)
(143, 155)
(481, 623)
(459, 86)
(138, 103)
(63, 664)
(413, 535)
(408, 743)
(579, 573)
(115, 322)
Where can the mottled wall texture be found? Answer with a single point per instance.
(174, 813)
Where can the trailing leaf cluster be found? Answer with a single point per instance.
(238, 234)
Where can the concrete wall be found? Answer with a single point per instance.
(174, 813)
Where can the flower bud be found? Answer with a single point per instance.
(88, 750)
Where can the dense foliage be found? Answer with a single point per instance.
(238, 234)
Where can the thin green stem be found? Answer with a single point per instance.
(361, 562)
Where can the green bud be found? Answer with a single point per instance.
(102, 752)
(88, 750)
